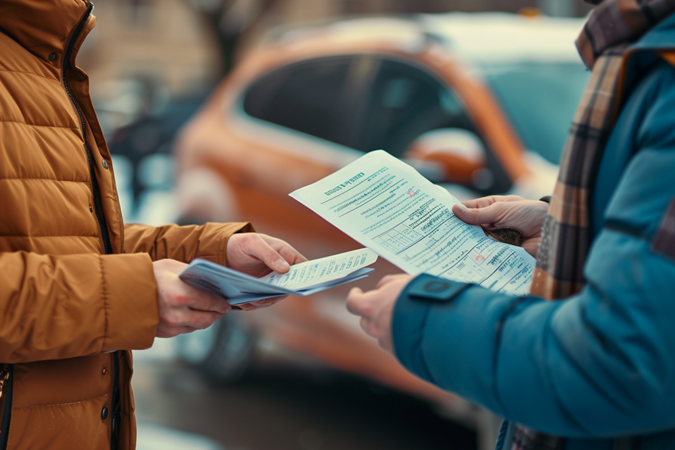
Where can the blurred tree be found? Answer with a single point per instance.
(229, 20)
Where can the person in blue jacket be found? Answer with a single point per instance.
(595, 370)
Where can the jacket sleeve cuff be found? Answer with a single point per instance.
(130, 301)
(410, 316)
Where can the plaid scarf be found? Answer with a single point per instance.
(611, 29)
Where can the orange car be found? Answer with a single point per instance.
(477, 102)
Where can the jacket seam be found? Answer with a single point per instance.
(49, 236)
(627, 229)
(37, 125)
(25, 72)
(52, 405)
(105, 303)
(41, 179)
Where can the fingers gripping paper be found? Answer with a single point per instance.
(387, 206)
(302, 279)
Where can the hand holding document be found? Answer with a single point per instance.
(391, 209)
(302, 279)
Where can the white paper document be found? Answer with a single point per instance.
(302, 279)
(387, 206)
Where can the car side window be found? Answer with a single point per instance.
(404, 102)
(366, 102)
(314, 97)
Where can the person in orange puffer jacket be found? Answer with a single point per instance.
(79, 288)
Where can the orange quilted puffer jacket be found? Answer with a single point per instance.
(77, 289)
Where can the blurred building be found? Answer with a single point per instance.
(161, 40)
(143, 52)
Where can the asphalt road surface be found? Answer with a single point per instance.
(291, 404)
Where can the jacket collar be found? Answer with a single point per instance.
(661, 37)
(43, 27)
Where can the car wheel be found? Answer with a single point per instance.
(223, 353)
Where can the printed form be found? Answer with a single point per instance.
(324, 271)
(387, 206)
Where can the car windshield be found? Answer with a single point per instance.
(540, 100)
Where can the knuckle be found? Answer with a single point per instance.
(363, 309)
(352, 307)
(173, 320)
(206, 321)
(212, 301)
(368, 327)
(182, 299)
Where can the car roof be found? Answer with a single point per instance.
(499, 36)
(473, 37)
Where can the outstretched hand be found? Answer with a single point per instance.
(183, 308)
(376, 308)
(510, 211)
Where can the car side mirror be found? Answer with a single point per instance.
(459, 155)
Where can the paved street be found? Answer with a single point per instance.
(289, 404)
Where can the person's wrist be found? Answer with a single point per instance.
(410, 313)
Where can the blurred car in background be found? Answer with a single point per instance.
(142, 152)
(479, 103)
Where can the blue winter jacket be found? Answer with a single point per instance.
(600, 365)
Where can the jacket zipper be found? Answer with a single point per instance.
(6, 391)
(96, 192)
(114, 413)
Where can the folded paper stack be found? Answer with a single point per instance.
(303, 279)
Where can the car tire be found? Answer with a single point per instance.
(223, 353)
